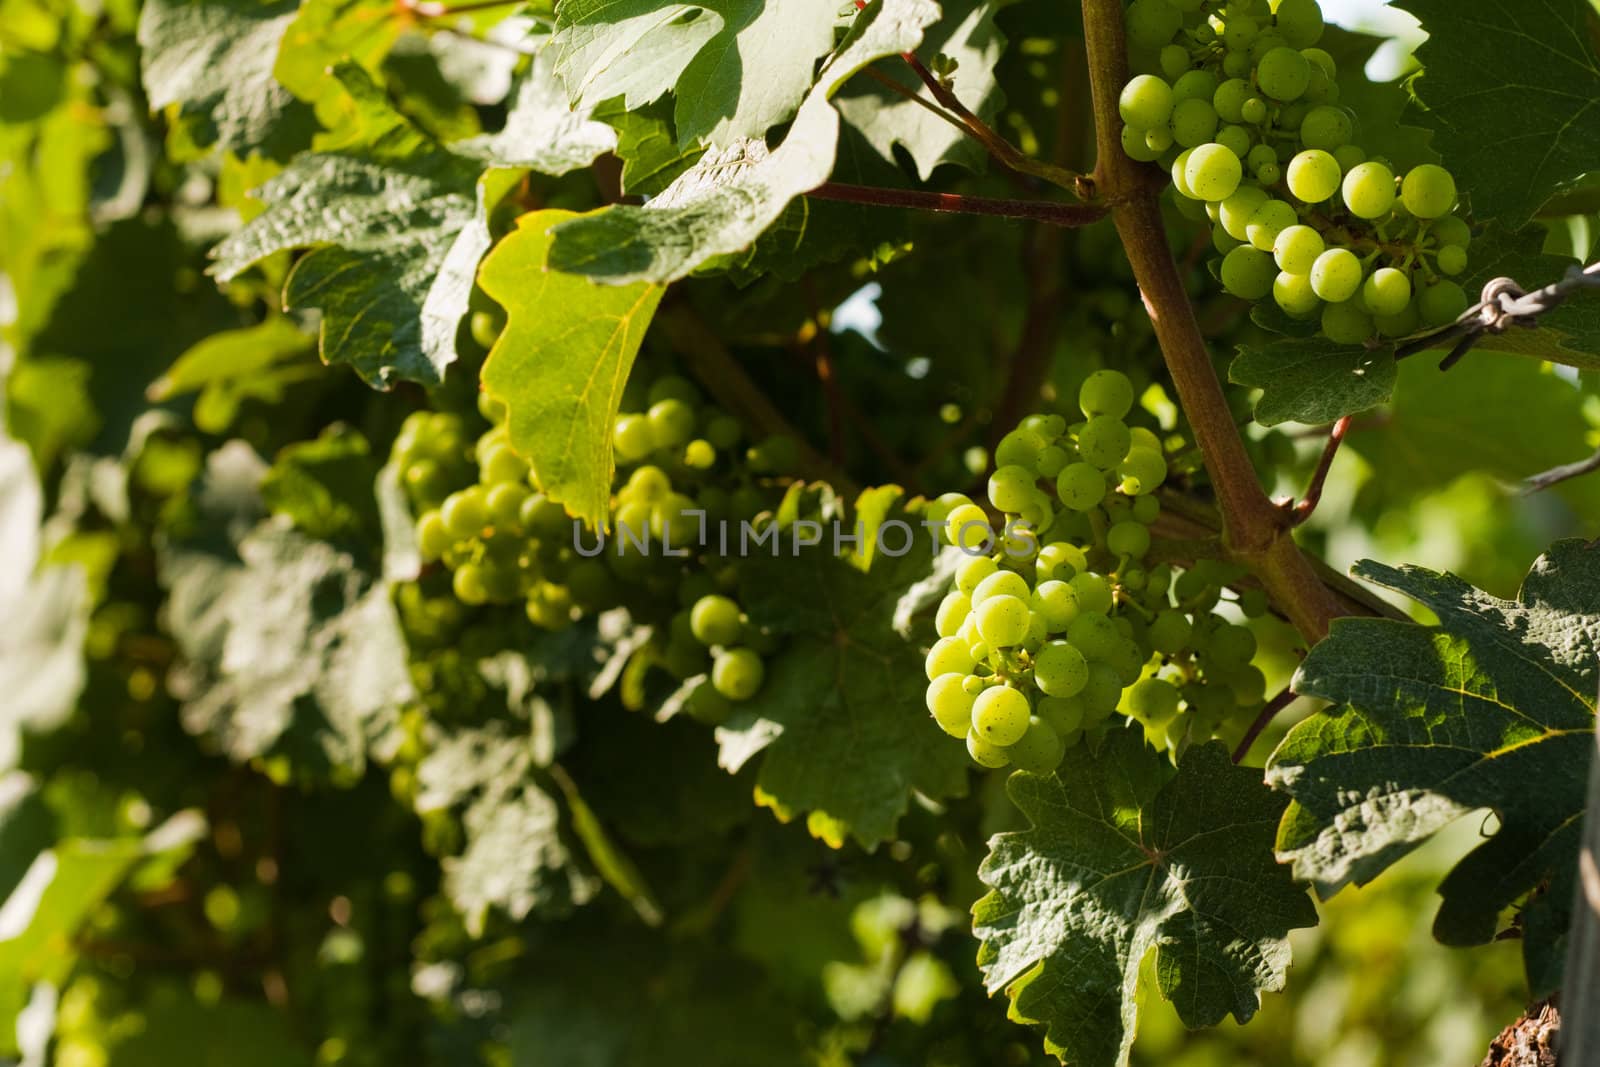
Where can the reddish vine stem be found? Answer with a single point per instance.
(1054, 214)
(427, 9)
(1255, 530)
(1269, 711)
(1299, 513)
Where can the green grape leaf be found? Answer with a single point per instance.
(967, 34)
(291, 647)
(325, 487)
(211, 62)
(724, 202)
(252, 363)
(397, 223)
(736, 68)
(650, 153)
(1485, 62)
(1442, 426)
(1126, 856)
(839, 723)
(515, 859)
(561, 362)
(1493, 708)
(1312, 379)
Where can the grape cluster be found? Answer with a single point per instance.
(1058, 623)
(682, 470)
(1242, 108)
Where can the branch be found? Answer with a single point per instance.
(1256, 531)
(1054, 214)
(1557, 475)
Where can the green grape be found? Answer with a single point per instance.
(1193, 123)
(1169, 632)
(1063, 715)
(1296, 248)
(545, 519)
(1092, 591)
(1336, 275)
(1103, 441)
(1142, 471)
(1236, 63)
(950, 704)
(953, 611)
(671, 423)
(1146, 102)
(949, 655)
(1106, 392)
(1231, 644)
(1001, 583)
(1060, 559)
(503, 465)
(1000, 715)
(1248, 273)
(1131, 539)
(1300, 22)
(1174, 60)
(737, 673)
(485, 327)
(1179, 168)
(699, 455)
(1386, 292)
(1295, 295)
(1327, 128)
(1221, 241)
(1438, 304)
(1095, 636)
(972, 572)
(1347, 323)
(1101, 695)
(632, 438)
(1212, 172)
(1081, 486)
(1146, 509)
(1239, 31)
(1040, 750)
(648, 483)
(1270, 219)
(778, 454)
(1349, 156)
(504, 503)
(1152, 23)
(984, 754)
(1452, 259)
(1264, 43)
(433, 536)
(1428, 191)
(1235, 139)
(1056, 602)
(1019, 448)
(1002, 621)
(1313, 176)
(1259, 156)
(1229, 99)
(1283, 74)
(1153, 700)
(468, 584)
(1234, 212)
(715, 620)
(1321, 58)
(1051, 461)
(1254, 111)
(1369, 190)
(707, 706)
(592, 585)
(723, 431)
(968, 527)
(1060, 670)
(1011, 488)
(1268, 173)
(1136, 143)
(1194, 85)
(1450, 230)
(465, 513)
(673, 387)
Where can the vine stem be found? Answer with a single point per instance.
(1302, 511)
(1255, 530)
(1269, 711)
(1055, 214)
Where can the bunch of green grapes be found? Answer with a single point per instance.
(1056, 621)
(684, 477)
(1242, 108)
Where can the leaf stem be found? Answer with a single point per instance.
(1299, 513)
(1269, 711)
(431, 9)
(1051, 213)
(1255, 530)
